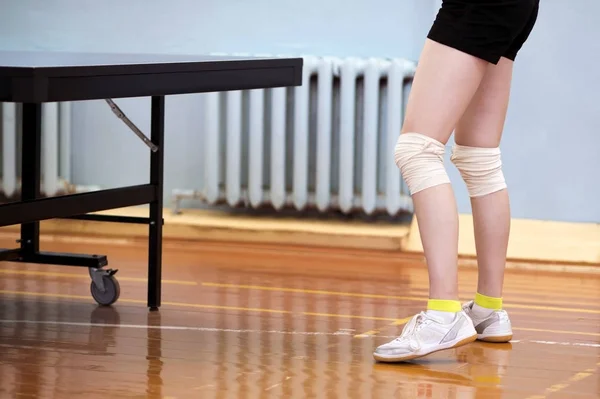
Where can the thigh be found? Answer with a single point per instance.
(444, 84)
(482, 123)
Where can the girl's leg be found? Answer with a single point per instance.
(478, 133)
(477, 156)
(446, 86)
(445, 82)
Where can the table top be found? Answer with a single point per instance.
(59, 76)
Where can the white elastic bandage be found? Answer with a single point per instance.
(480, 168)
(421, 161)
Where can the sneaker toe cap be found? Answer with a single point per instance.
(395, 349)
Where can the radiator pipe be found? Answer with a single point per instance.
(212, 150)
(9, 148)
(50, 148)
(278, 148)
(301, 118)
(64, 133)
(233, 150)
(369, 136)
(323, 169)
(255, 155)
(348, 74)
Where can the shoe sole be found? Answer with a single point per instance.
(496, 339)
(397, 359)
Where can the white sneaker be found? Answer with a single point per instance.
(423, 335)
(495, 327)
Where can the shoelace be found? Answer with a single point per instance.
(420, 322)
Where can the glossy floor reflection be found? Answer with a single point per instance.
(249, 322)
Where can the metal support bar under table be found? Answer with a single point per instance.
(31, 209)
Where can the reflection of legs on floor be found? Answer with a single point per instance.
(486, 365)
(472, 372)
(434, 381)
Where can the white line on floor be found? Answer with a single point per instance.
(585, 344)
(344, 332)
(276, 385)
(177, 328)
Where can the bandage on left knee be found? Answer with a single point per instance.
(421, 161)
(480, 168)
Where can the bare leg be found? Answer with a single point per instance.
(481, 126)
(444, 84)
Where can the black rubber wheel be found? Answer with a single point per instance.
(112, 291)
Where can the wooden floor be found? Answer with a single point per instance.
(260, 322)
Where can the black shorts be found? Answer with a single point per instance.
(486, 29)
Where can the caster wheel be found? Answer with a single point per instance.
(112, 291)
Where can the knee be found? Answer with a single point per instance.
(480, 168)
(421, 161)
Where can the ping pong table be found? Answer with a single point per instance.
(34, 78)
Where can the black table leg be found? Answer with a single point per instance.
(31, 209)
(157, 127)
(30, 172)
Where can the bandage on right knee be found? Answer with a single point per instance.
(480, 168)
(421, 161)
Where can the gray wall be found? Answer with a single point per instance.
(551, 142)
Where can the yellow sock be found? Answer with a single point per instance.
(443, 305)
(488, 302)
